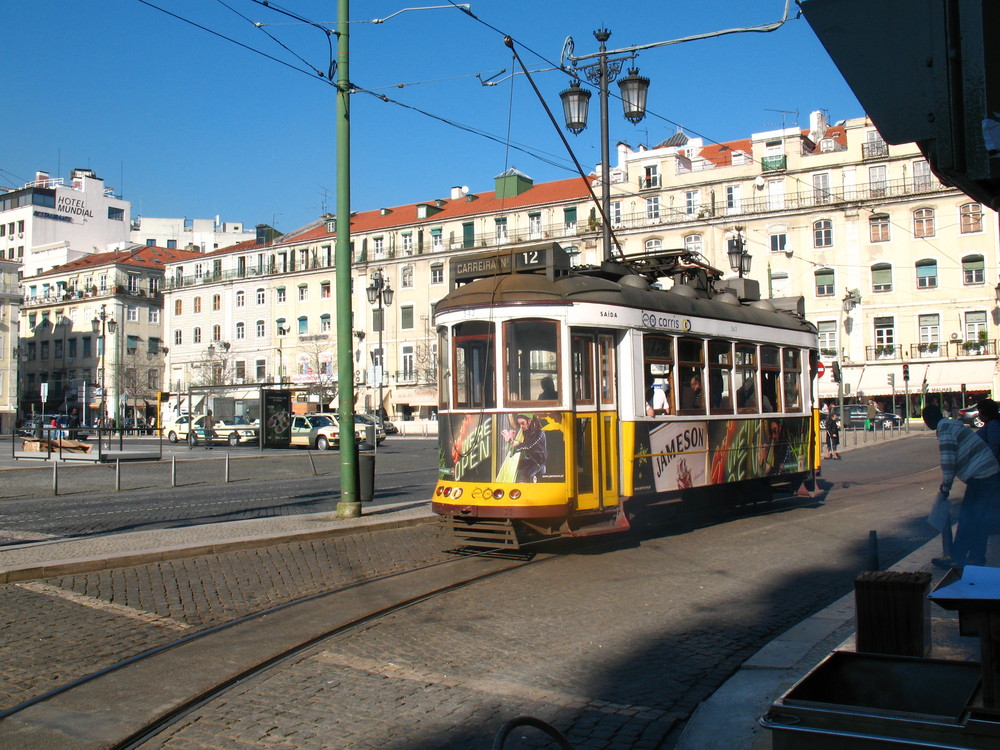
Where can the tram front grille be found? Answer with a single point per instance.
(490, 534)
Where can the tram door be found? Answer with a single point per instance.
(595, 436)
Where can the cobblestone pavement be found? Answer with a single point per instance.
(614, 649)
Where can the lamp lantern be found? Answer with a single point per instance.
(634, 89)
(576, 101)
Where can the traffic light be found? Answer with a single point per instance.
(164, 397)
(836, 372)
(906, 372)
(891, 378)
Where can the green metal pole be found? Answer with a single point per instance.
(349, 505)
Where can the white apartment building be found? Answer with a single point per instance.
(91, 330)
(831, 214)
(47, 223)
(10, 301)
(199, 235)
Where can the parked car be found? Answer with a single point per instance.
(389, 427)
(855, 415)
(231, 431)
(970, 416)
(319, 431)
(366, 420)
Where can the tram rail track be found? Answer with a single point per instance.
(125, 704)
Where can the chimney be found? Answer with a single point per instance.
(41, 178)
(458, 192)
(818, 125)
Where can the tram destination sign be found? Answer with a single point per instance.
(549, 257)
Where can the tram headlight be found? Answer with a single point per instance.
(456, 493)
(497, 494)
(515, 494)
(440, 491)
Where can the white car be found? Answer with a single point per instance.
(231, 431)
(319, 431)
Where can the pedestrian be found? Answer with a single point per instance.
(73, 424)
(966, 456)
(989, 412)
(832, 435)
(870, 418)
(209, 430)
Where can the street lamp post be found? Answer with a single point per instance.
(739, 257)
(575, 102)
(851, 300)
(104, 324)
(379, 291)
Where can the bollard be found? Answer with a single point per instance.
(873, 550)
(227, 468)
(173, 471)
(118, 475)
(55, 478)
(366, 475)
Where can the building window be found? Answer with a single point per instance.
(926, 274)
(827, 337)
(133, 283)
(216, 301)
(216, 333)
(569, 220)
(821, 189)
(881, 277)
(406, 277)
(654, 245)
(823, 233)
(923, 222)
(178, 337)
(653, 208)
(303, 292)
(153, 315)
(408, 362)
(692, 200)
(324, 290)
(885, 333)
(437, 241)
(975, 324)
(500, 233)
(779, 242)
(616, 213)
(406, 317)
(241, 298)
(877, 181)
(116, 214)
(921, 175)
(178, 306)
(260, 329)
(824, 282)
(197, 305)
(261, 368)
(930, 331)
(971, 218)
(973, 269)
(303, 325)
(241, 331)
(732, 199)
(325, 323)
(878, 227)
(241, 371)
(692, 243)
(281, 295)
(261, 296)
(196, 335)
(437, 273)
(650, 176)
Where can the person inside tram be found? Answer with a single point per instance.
(657, 402)
(548, 392)
(746, 394)
(691, 395)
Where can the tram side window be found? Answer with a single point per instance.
(474, 373)
(442, 368)
(746, 378)
(792, 362)
(720, 365)
(657, 368)
(770, 374)
(531, 361)
(583, 371)
(691, 373)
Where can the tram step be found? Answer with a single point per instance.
(492, 534)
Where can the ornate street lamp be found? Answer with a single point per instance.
(102, 325)
(739, 257)
(575, 103)
(379, 291)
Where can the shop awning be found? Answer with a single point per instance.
(941, 377)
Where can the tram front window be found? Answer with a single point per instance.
(531, 361)
(475, 375)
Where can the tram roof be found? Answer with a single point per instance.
(622, 289)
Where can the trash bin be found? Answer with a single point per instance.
(892, 612)
(366, 474)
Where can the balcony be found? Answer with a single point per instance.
(774, 163)
(883, 353)
(874, 150)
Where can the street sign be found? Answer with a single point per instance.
(820, 369)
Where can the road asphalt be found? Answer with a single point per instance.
(727, 720)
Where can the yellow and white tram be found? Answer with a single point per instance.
(571, 398)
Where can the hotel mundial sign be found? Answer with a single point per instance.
(69, 204)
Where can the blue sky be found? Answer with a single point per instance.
(185, 123)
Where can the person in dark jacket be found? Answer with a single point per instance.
(832, 436)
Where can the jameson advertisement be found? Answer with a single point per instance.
(508, 447)
(276, 411)
(678, 455)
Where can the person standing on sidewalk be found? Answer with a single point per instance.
(209, 430)
(832, 435)
(966, 456)
(990, 431)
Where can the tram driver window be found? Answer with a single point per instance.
(792, 377)
(474, 373)
(720, 364)
(746, 378)
(531, 361)
(658, 358)
(690, 374)
(770, 374)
